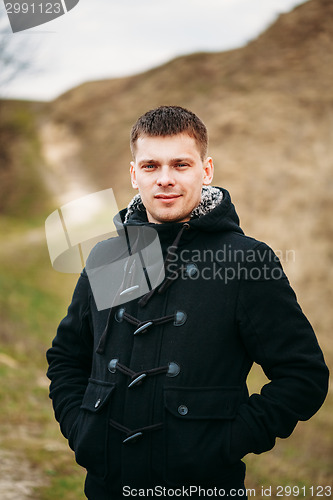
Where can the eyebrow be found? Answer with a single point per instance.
(173, 160)
(142, 162)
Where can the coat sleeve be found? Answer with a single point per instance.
(70, 358)
(277, 335)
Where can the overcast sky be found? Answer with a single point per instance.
(110, 38)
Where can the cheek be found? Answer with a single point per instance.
(144, 190)
(195, 189)
(198, 198)
(140, 183)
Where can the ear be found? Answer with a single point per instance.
(133, 176)
(208, 167)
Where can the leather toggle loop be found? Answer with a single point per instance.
(134, 435)
(143, 328)
(137, 380)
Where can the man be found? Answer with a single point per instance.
(152, 393)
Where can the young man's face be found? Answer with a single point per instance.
(169, 174)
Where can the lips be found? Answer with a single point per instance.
(167, 197)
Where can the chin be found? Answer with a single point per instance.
(172, 218)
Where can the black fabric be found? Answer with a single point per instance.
(238, 309)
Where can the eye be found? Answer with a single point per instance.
(181, 165)
(149, 166)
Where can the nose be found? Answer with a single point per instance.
(165, 177)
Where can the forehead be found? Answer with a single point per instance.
(166, 147)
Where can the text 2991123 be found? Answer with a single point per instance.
(33, 8)
(296, 491)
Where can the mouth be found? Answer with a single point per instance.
(167, 197)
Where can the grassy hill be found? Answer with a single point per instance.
(22, 189)
(269, 110)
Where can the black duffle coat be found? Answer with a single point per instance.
(169, 406)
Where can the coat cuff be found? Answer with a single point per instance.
(242, 440)
(68, 421)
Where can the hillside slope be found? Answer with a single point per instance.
(265, 103)
(269, 109)
(22, 188)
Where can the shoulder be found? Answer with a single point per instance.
(234, 240)
(249, 258)
(106, 252)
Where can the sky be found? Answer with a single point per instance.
(101, 39)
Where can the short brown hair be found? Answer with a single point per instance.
(170, 120)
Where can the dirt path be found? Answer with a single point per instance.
(65, 180)
(17, 478)
(64, 174)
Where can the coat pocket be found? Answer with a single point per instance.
(92, 431)
(197, 433)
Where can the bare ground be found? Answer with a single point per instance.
(18, 479)
(63, 175)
